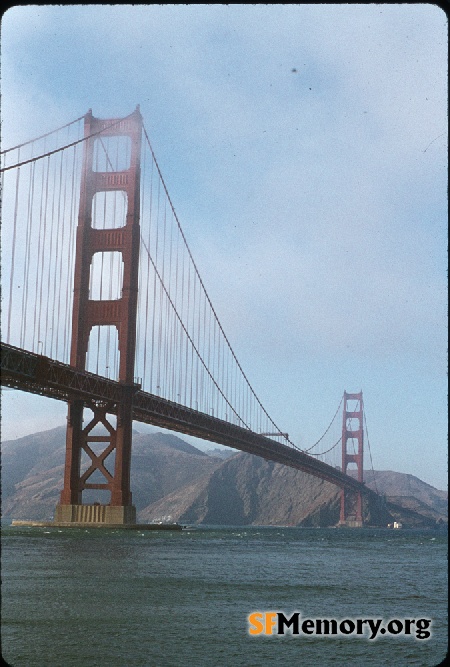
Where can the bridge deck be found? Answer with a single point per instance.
(30, 372)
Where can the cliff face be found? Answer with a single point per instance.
(249, 490)
(174, 481)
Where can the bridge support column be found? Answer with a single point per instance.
(71, 493)
(351, 514)
(116, 479)
(120, 485)
(120, 313)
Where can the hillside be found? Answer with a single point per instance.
(33, 470)
(409, 491)
(247, 489)
(172, 480)
(250, 490)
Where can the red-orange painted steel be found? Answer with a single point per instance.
(351, 501)
(88, 313)
(34, 373)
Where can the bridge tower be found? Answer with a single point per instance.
(120, 313)
(351, 501)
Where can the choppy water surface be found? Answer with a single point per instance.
(100, 598)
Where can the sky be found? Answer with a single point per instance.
(304, 148)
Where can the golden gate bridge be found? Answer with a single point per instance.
(104, 308)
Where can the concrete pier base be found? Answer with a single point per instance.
(97, 516)
(101, 514)
(350, 523)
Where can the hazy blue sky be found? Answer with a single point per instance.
(305, 151)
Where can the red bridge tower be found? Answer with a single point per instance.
(120, 313)
(351, 501)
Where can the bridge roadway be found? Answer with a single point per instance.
(38, 374)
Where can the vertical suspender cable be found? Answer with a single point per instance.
(28, 252)
(41, 248)
(51, 264)
(13, 255)
(62, 227)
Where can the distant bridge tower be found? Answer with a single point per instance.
(101, 176)
(351, 501)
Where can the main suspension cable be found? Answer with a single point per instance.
(164, 288)
(204, 289)
(63, 148)
(324, 434)
(43, 136)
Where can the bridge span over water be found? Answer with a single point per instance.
(37, 374)
(113, 317)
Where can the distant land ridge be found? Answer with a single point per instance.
(172, 480)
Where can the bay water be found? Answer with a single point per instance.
(116, 598)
